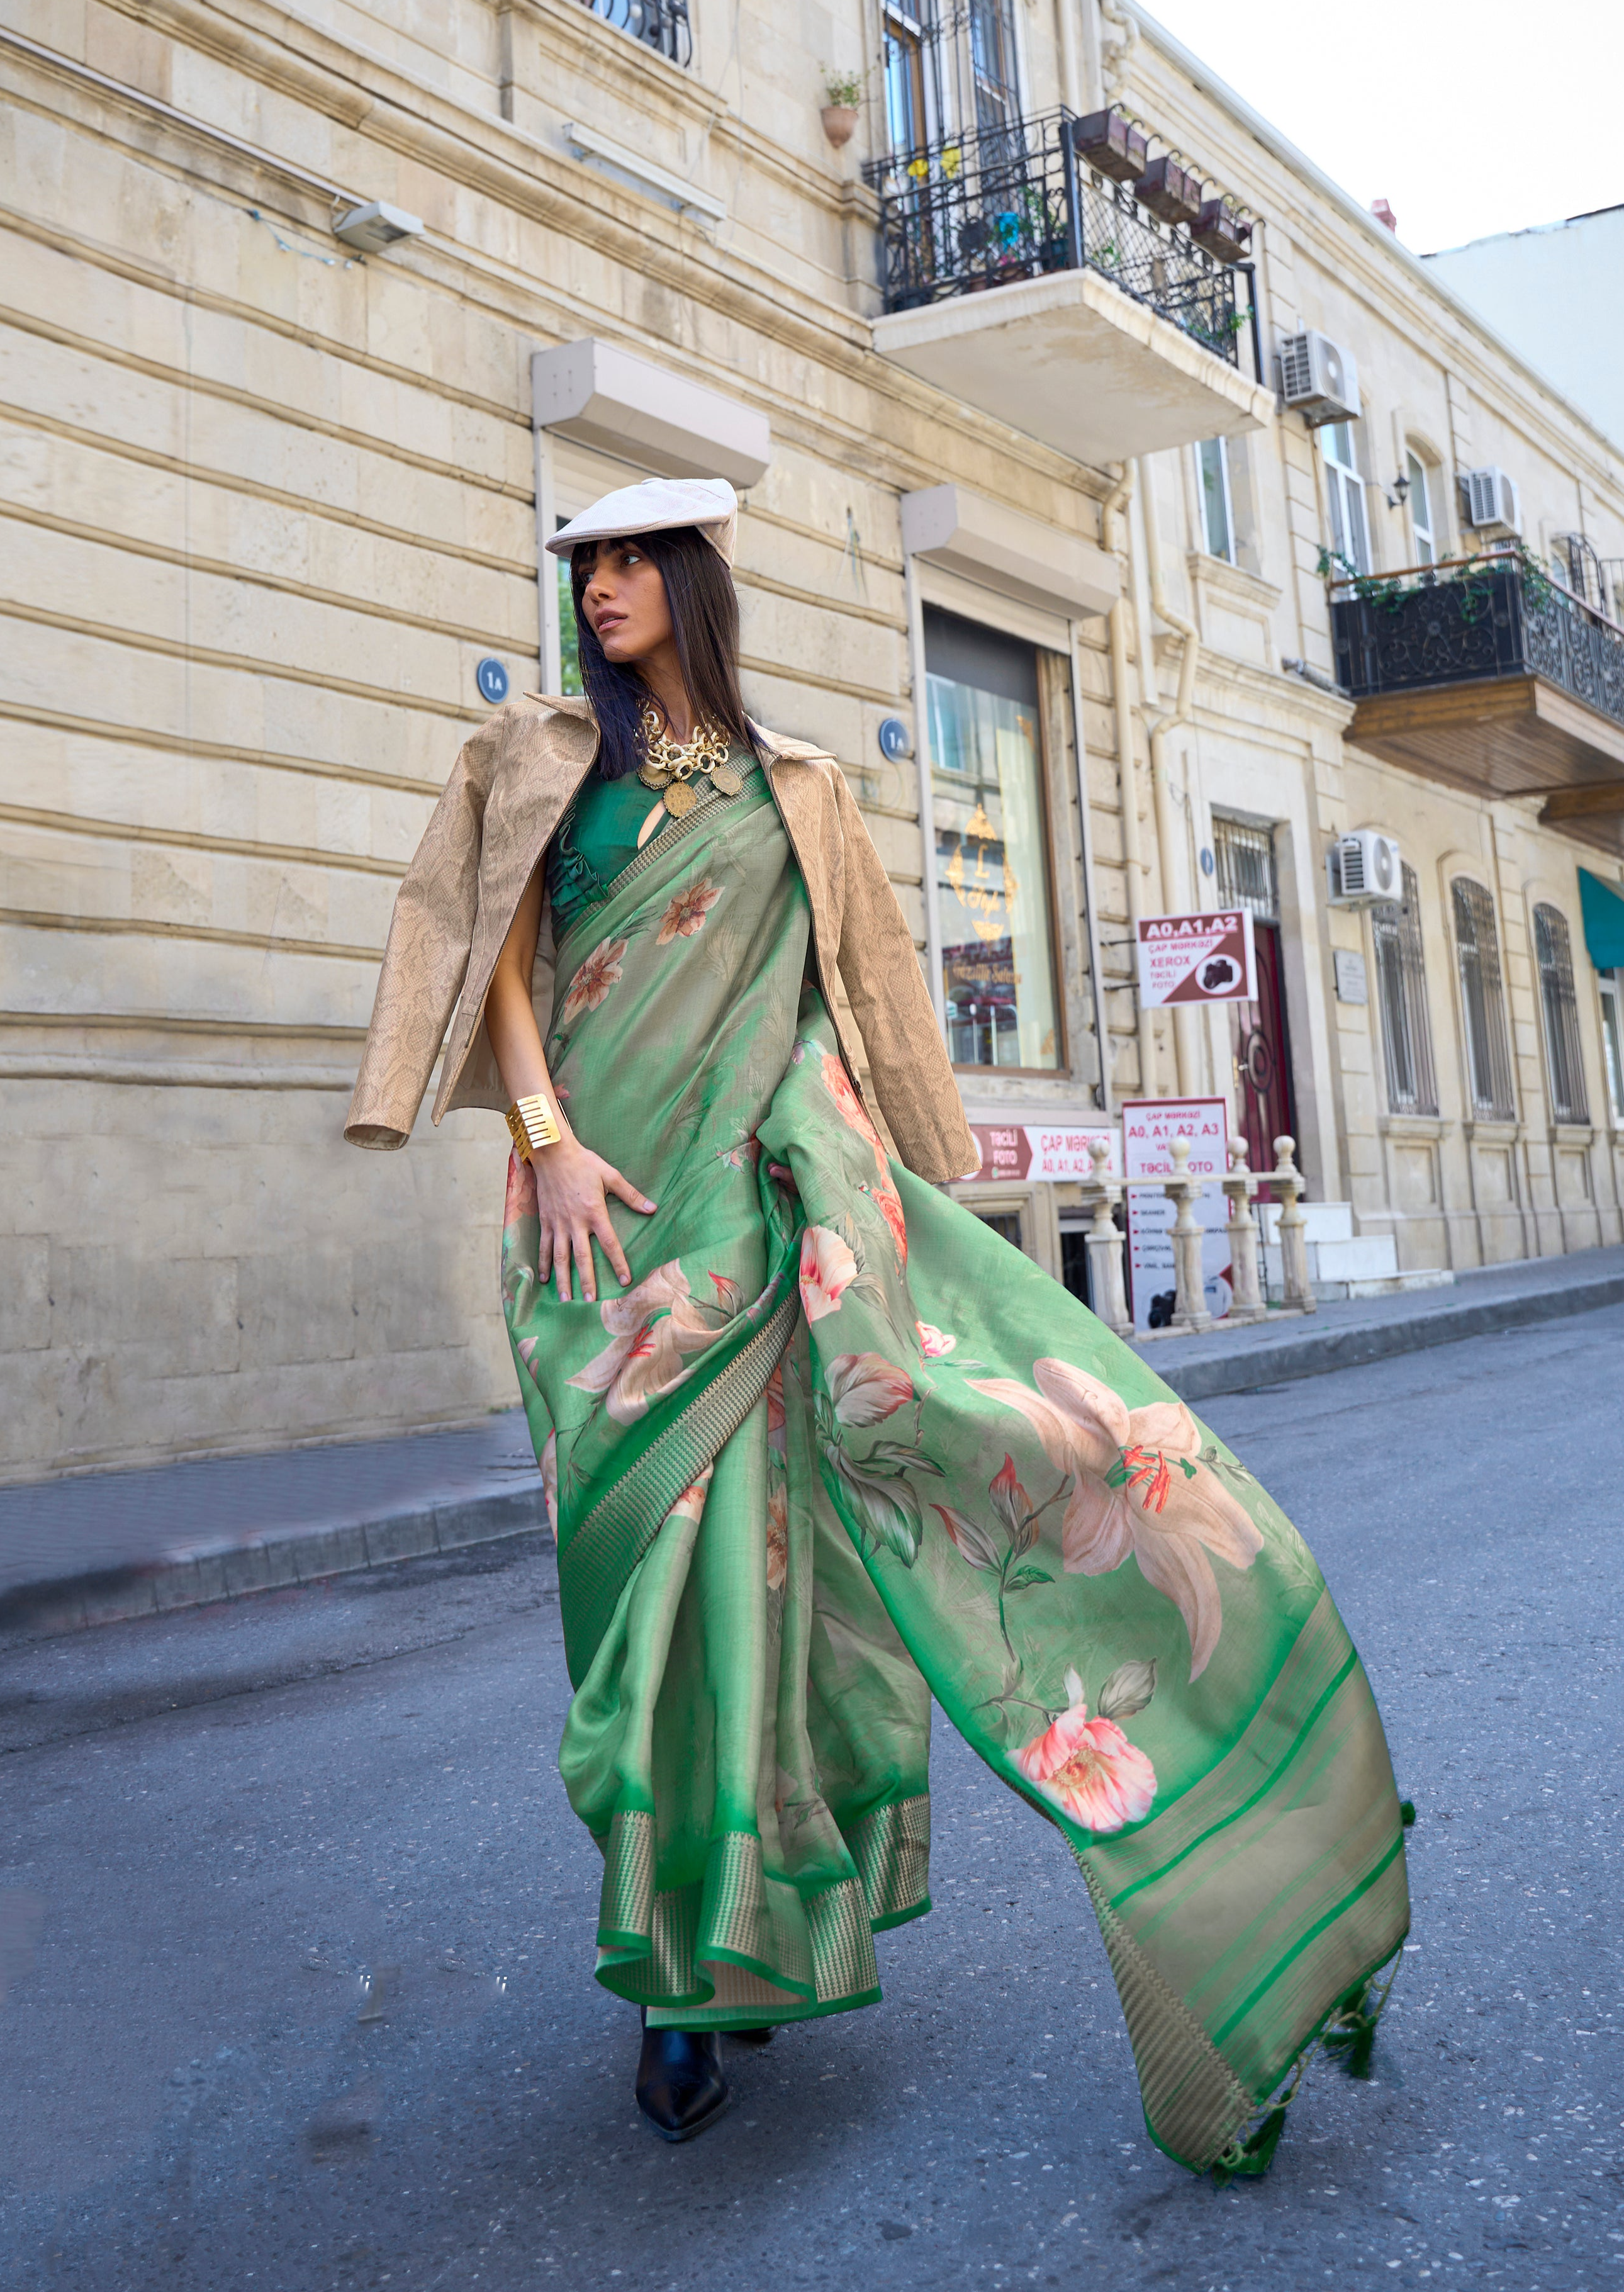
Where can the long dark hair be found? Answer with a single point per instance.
(705, 611)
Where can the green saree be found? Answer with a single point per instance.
(839, 1448)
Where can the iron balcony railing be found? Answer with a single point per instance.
(660, 24)
(981, 210)
(1470, 619)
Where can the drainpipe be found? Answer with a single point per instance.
(1113, 537)
(1164, 721)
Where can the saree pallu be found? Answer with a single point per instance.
(839, 1448)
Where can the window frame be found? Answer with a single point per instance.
(1610, 988)
(1399, 960)
(1423, 537)
(1490, 1002)
(1061, 1070)
(1345, 488)
(1559, 1029)
(1226, 555)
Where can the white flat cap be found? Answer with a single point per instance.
(655, 506)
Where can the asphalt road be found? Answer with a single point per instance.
(296, 1922)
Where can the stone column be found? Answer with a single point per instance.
(1190, 1314)
(1300, 1297)
(1247, 1303)
(1106, 1244)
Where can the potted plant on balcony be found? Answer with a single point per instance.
(1170, 191)
(842, 96)
(1112, 143)
(1222, 230)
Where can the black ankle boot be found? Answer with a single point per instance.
(680, 2089)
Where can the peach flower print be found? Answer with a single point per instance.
(1088, 1767)
(652, 1326)
(521, 1191)
(684, 917)
(593, 980)
(1141, 1486)
(827, 1270)
(933, 1343)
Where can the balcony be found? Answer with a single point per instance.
(660, 24)
(1487, 674)
(1022, 282)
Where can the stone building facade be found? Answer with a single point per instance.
(274, 504)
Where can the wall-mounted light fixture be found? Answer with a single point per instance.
(1400, 494)
(369, 229)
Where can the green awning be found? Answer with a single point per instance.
(1604, 914)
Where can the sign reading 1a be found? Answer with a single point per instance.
(1205, 959)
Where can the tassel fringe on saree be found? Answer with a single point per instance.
(840, 1449)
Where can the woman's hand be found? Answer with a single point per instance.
(572, 1190)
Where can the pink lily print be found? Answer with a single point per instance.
(1143, 1484)
(651, 1326)
(593, 980)
(1020, 1518)
(828, 1268)
(684, 917)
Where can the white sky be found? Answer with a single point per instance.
(1468, 117)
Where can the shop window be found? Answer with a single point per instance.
(1216, 507)
(1612, 1042)
(1422, 510)
(1565, 1061)
(1483, 1001)
(1401, 991)
(991, 844)
(1350, 538)
(1005, 1224)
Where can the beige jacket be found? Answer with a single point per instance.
(457, 905)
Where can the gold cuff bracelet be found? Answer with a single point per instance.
(531, 1123)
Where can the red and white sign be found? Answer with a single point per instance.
(1016, 1150)
(1207, 958)
(1151, 1125)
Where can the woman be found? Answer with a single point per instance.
(817, 1444)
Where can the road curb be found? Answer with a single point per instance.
(1296, 1353)
(201, 1574)
(280, 1560)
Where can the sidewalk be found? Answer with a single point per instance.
(108, 1547)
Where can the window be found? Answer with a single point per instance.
(1216, 514)
(907, 107)
(1247, 876)
(1349, 536)
(1483, 1001)
(992, 29)
(1612, 1042)
(1422, 512)
(569, 639)
(1401, 990)
(1563, 1056)
(992, 846)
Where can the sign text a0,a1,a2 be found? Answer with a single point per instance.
(1206, 958)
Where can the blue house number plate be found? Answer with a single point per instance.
(493, 680)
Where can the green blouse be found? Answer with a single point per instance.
(598, 836)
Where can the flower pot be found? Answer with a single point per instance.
(1220, 230)
(840, 123)
(1109, 142)
(1169, 191)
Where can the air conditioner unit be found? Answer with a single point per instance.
(1318, 379)
(1491, 501)
(1363, 870)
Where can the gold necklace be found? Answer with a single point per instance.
(672, 769)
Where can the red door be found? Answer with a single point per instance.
(1263, 1058)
